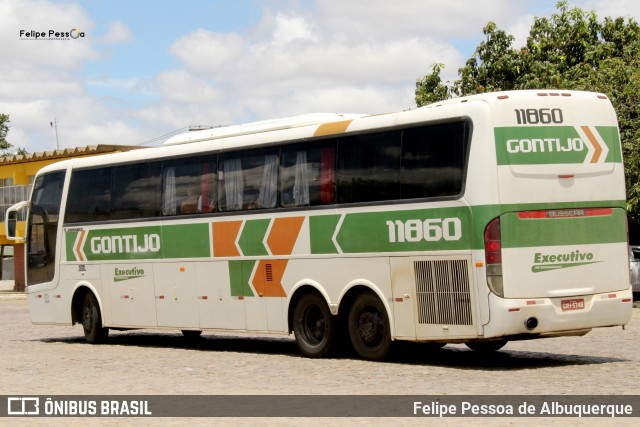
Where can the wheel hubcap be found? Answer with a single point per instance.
(314, 324)
(370, 327)
(86, 317)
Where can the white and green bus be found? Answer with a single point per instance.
(477, 220)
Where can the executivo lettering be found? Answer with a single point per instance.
(127, 274)
(546, 262)
(125, 244)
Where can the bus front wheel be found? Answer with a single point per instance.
(313, 325)
(94, 332)
(369, 328)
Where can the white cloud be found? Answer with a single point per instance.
(289, 28)
(42, 16)
(206, 52)
(383, 19)
(296, 63)
(299, 57)
(117, 33)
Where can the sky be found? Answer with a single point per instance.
(135, 72)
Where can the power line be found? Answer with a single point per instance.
(165, 136)
(176, 132)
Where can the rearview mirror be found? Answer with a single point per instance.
(11, 220)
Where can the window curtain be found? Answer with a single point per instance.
(169, 203)
(301, 183)
(233, 184)
(269, 185)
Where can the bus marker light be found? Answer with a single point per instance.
(479, 264)
(181, 269)
(399, 299)
(513, 310)
(565, 213)
(626, 300)
(611, 295)
(531, 302)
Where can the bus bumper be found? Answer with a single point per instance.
(573, 315)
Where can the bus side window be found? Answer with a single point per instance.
(369, 167)
(248, 180)
(89, 197)
(189, 186)
(433, 160)
(307, 174)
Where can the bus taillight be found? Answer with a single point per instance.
(493, 256)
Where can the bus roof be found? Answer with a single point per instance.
(307, 126)
(260, 127)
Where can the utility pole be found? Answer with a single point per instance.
(54, 124)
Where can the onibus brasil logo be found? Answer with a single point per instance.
(547, 262)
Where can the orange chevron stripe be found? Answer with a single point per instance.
(79, 245)
(267, 280)
(594, 141)
(225, 235)
(283, 235)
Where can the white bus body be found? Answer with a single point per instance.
(480, 220)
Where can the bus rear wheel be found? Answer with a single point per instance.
(486, 346)
(313, 325)
(369, 328)
(94, 332)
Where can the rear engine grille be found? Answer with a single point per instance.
(442, 291)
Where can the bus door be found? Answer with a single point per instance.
(42, 229)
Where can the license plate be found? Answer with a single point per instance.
(572, 304)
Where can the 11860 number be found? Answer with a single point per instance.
(534, 116)
(431, 230)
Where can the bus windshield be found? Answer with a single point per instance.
(43, 225)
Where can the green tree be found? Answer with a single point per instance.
(4, 129)
(430, 88)
(572, 49)
(6, 148)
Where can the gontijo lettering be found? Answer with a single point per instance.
(547, 145)
(125, 244)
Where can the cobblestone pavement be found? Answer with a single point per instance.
(54, 360)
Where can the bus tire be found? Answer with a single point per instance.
(94, 332)
(313, 325)
(369, 328)
(486, 346)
